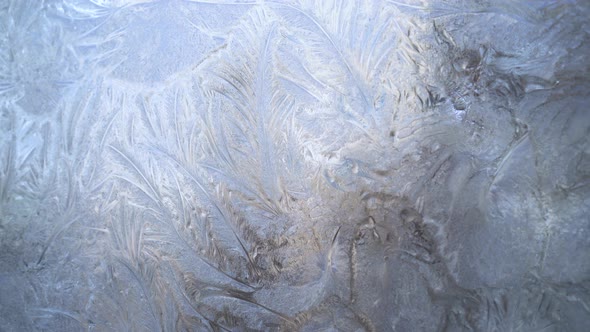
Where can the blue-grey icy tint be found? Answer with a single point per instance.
(294, 165)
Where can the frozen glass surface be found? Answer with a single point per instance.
(294, 165)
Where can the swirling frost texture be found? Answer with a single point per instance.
(240, 165)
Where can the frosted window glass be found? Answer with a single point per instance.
(296, 165)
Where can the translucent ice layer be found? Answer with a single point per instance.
(294, 165)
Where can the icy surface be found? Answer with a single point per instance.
(294, 165)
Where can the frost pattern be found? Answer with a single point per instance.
(294, 165)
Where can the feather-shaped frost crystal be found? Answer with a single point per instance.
(294, 165)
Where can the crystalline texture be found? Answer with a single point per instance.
(294, 165)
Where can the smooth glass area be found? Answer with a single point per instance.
(294, 165)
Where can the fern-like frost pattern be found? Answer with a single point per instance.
(294, 165)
